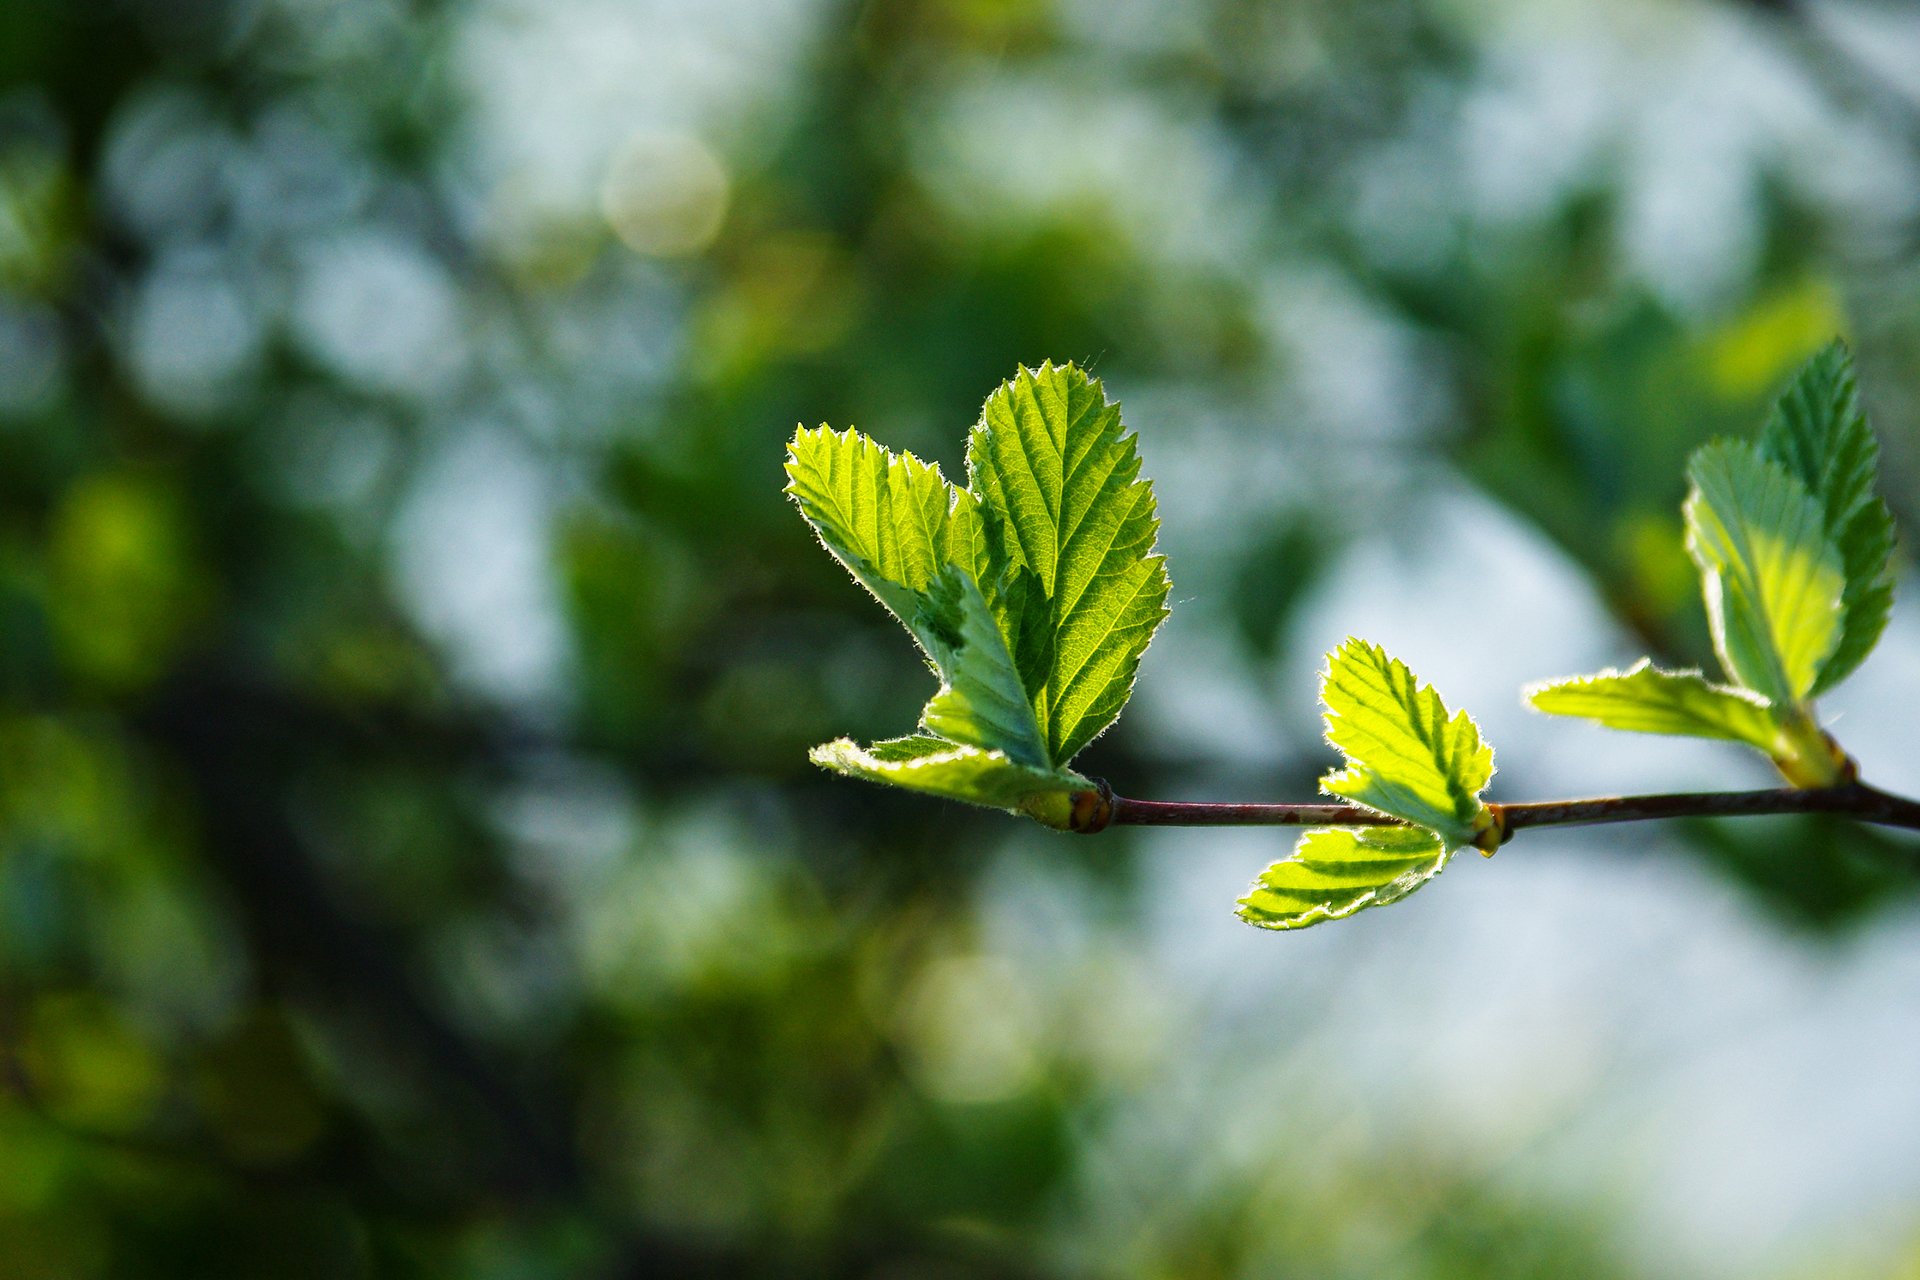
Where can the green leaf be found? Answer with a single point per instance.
(1405, 756)
(1070, 535)
(1645, 699)
(940, 768)
(1033, 593)
(1772, 581)
(905, 534)
(1336, 871)
(1818, 433)
(982, 701)
(891, 519)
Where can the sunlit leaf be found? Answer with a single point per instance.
(1336, 871)
(1405, 755)
(911, 538)
(1772, 580)
(940, 768)
(891, 519)
(1071, 528)
(1646, 699)
(1818, 433)
(982, 702)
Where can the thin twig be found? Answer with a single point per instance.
(1855, 800)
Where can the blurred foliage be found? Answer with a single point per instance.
(408, 860)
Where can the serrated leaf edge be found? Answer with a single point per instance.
(1016, 554)
(1320, 913)
(1644, 664)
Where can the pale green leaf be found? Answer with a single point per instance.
(982, 701)
(914, 540)
(1070, 534)
(1772, 580)
(1645, 699)
(940, 768)
(1405, 755)
(1818, 433)
(1336, 871)
(890, 518)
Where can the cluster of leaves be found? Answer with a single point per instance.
(1032, 592)
(1035, 590)
(1405, 757)
(1793, 549)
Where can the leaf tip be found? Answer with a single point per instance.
(834, 755)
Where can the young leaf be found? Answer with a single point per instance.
(1405, 756)
(1070, 528)
(941, 768)
(1819, 435)
(982, 702)
(1771, 579)
(904, 532)
(1646, 699)
(1336, 871)
(891, 519)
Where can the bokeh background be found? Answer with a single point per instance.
(409, 865)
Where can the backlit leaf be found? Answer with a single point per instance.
(891, 519)
(1818, 433)
(914, 540)
(1772, 580)
(1645, 699)
(1336, 871)
(1070, 533)
(954, 772)
(982, 701)
(1405, 755)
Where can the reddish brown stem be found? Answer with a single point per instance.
(1855, 800)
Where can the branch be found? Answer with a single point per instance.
(1096, 811)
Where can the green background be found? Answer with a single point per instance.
(409, 864)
